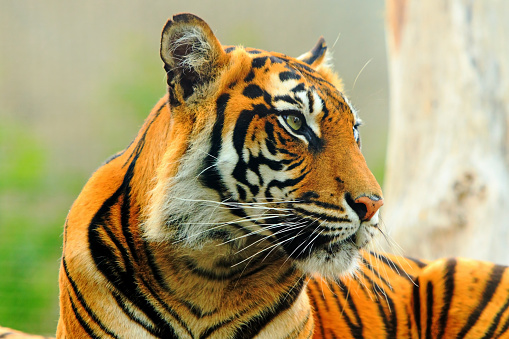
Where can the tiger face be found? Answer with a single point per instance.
(272, 162)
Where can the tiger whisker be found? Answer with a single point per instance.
(252, 218)
(294, 285)
(264, 228)
(362, 69)
(399, 252)
(300, 244)
(218, 226)
(286, 229)
(233, 205)
(363, 283)
(265, 249)
(311, 242)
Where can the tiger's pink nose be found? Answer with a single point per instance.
(366, 207)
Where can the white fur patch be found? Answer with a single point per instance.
(198, 49)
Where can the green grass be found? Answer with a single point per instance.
(30, 227)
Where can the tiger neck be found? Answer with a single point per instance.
(210, 287)
(212, 282)
(225, 277)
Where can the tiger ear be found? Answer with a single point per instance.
(315, 56)
(192, 56)
(319, 59)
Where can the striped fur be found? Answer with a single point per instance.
(236, 213)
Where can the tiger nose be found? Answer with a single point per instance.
(366, 206)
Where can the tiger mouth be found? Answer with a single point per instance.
(309, 237)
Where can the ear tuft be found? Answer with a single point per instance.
(319, 58)
(191, 53)
(315, 56)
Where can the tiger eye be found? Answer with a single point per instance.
(294, 121)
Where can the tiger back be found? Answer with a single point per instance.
(241, 209)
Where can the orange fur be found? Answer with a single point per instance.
(241, 209)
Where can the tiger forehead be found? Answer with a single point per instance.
(285, 84)
(269, 74)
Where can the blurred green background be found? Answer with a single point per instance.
(78, 78)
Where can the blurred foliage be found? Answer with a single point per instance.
(22, 159)
(138, 82)
(30, 230)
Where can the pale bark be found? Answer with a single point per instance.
(447, 174)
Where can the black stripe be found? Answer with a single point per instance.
(210, 176)
(83, 303)
(392, 265)
(416, 296)
(252, 91)
(316, 313)
(311, 102)
(450, 272)
(212, 275)
(156, 273)
(295, 164)
(419, 263)
(355, 329)
(489, 290)
(209, 331)
(316, 52)
(257, 323)
(390, 321)
(259, 62)
(323, 204)
(376, 273)
(254, 162)
(496, 321)
(284, 184)
(132, 316)
(429, 309)
(249, 77)
(282, 279)
(289, 75)
(270, 142)
(504, 328)
(125, 214)
(82, 322)
(322, 296)
(319, 215)
(141, 141)
(287, 98)
(122, 278)
(168, 309)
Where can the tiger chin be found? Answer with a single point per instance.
(246, 179)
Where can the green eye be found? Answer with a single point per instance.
(294, 121)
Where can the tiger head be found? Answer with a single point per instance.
(264, 156)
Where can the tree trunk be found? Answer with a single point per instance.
(447, 174)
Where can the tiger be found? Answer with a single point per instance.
(243, 209)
